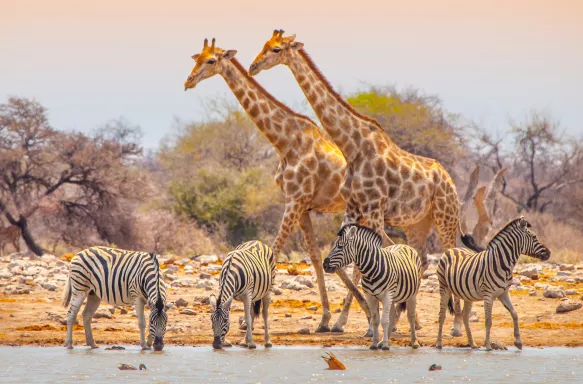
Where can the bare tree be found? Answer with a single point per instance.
(543, 161)
(40, 166)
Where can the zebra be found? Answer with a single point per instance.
(486, 275)
(247, 275)
(391, 275)
(117, 277)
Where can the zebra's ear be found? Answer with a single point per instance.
(213, 302)
(350, 233)
(227, 304)
(523, 222)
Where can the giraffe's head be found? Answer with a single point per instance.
(207, 63)
(277, 50)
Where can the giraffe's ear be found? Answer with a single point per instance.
(195, 56)
(296, 45)
(213, 302)
(229, 54)
(290, 37)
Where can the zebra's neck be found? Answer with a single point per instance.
(367, 252)
(227, 283)
(505, 248)
(148, 280)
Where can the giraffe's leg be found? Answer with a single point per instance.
(445, 295)
(291, 216)
(76, 302)
(488, 302)
(446, 226)
(466, 317)
(265, 302)
(90, 308)
(355, 292)
(139, 305)
(316, 257)
(505, 300)
(417, 238)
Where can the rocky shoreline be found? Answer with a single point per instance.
(547, 297)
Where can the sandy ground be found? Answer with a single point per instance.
(33, 319)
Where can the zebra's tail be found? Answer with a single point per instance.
(67, 294)
(256, 309)
(402, 307)
(450, 305)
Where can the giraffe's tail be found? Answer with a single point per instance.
(469, 241)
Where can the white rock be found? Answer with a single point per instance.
(276, 290)
(205, 283)
(5, 274)
(568, 306)
(566, 267)
(207, 259)
(291, 284)
(305, 280)
(49, 286)
(182, 262)
(48, 258)
(531, 270)
(564, 273)
(102, 314)
(540, 286)
(571, 292)
(185, 282)
(554, 292)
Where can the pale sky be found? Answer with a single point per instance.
(91, 61)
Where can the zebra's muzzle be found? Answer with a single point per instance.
(158, 344)
(327, 267)
(217, 344)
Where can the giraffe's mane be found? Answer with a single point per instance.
(333, 92)
(268, 95)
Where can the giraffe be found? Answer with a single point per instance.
(311, 167)
(384, 184)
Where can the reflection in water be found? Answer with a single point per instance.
(289, 365)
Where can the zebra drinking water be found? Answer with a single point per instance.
(391, 275)
(486, 275)
(117, 277)
(247, 275)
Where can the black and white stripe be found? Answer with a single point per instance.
(486, 276)
(116, 277)
(391, 275)
(247, 275)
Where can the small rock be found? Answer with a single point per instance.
(111, 310)
(564, 273)
(204, 275)
(207, 259)
(276, 290)
(288, 315)
(498, 346)
(568, 306)
(515, 281)
(571, 292)
(187, 311)
(554, 292)
(49, 286)
(102, 314)
(532, 293)
(123, 311)
(474, 317)
(304, 331)
(566, 267)
(294, 285)
(531, 270)
(338, 310)
(305, 280)
(312, 308)
(181, 303)
(204, 300)
(524, 279)
(306, 318)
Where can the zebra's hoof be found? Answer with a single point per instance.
(474, 346)
(488, 348)
(439, 346)
(415, 345)
(455, 332)
(394, 329)
(69, 346)
(518, 345)
(386, 348)
(226, 344)
(368, 333)
(252, 346)
(337, 329)
(94, 346)
(418, 327)
(268, 345)
(373, 347)
(146, 348)
(323, 329)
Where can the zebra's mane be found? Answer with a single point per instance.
(221, 286)
(159, 303)
(368, 229)
(505, 229)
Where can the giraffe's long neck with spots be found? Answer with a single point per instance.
(268, 114)
(346, 129)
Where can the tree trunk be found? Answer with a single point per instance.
(27, 236)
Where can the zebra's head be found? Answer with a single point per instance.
(531, 245)
(158, 320)
(344, 250)
(220, 320)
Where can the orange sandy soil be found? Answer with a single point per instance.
(24, 321)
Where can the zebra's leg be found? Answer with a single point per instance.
(412, 316)
(90, 308)
(387, 321)
(247, 304)
(316, 257)
(488, 302)
(265, 322)
(445, 296)
(466, 316)
(505, 300)
(373, 304)
(141, 322)
(417, 238)
(76, 302)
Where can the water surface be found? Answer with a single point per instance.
(290, 365)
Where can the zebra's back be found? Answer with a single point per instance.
(397, 268)
(109, 273)
(462, 272)
(251, 266)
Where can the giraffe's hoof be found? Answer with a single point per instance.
(323, 329)
(415, 345)
(394, 329)
(337, 329)
(518, 345)
(268, 345)
(373, 347)
(438, 346)
(418, 327)
(474, 346)
(456, 332)
(226, 344)
(368, 333)
(69, 346)
(488, 349)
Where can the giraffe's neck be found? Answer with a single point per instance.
(345, 126)
(268, 114)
